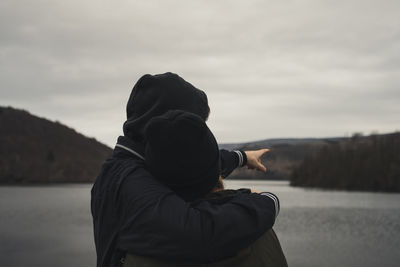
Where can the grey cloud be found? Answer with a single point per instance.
(327, 66)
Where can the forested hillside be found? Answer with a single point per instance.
(33, 149)
(359, 163)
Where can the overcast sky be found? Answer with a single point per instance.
(271, 69)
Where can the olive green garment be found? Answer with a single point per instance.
(266, 251)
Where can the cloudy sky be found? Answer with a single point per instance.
(271, 69)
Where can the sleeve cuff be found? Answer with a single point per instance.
(276, 201)
(242, 157)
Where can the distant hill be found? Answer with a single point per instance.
(363, 163)
(285, 155)
(36, 150)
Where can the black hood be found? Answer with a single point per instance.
(153, 95)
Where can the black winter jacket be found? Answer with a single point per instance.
(132, 212)
(264, 252)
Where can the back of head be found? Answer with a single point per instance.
(153, 95)
(182, 153)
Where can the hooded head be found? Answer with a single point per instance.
(182, 153)
(154, 95)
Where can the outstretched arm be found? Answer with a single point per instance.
(159, 224)
(231, 160)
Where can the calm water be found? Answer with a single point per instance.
(51, 226)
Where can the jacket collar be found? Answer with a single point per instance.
(127, 146)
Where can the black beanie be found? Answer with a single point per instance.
(182, 153)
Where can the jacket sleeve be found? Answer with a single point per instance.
(157, 223)
(230, 160)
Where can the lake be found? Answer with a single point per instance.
(51, 226)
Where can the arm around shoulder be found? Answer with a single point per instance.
(155, 222)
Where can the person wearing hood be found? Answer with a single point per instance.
(134, 213)
(182, 153)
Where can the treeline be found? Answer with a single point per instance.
(36, 150)
(370, 163)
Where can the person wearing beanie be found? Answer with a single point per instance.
(182, 153)
(133, 212)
